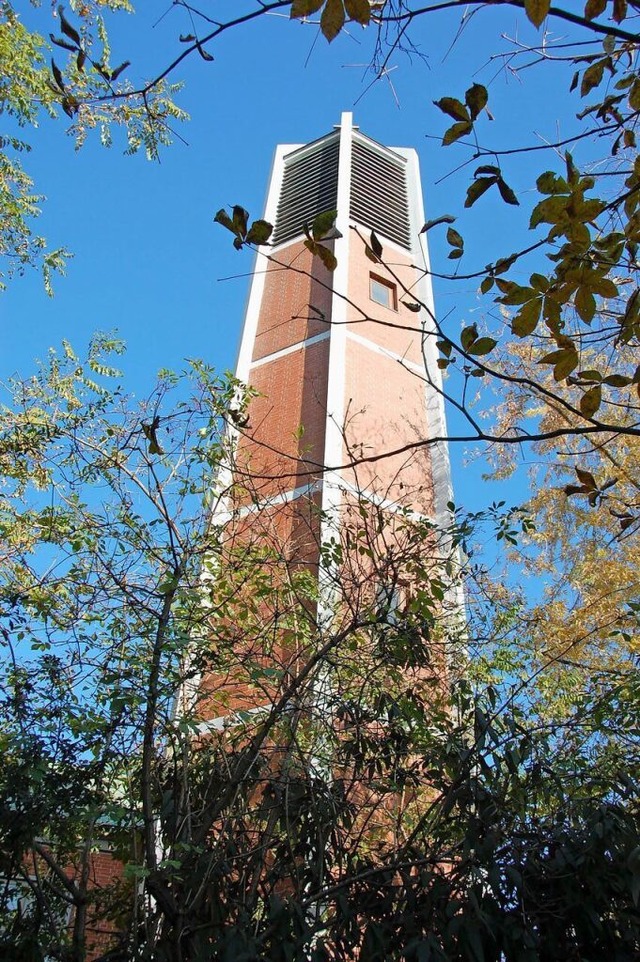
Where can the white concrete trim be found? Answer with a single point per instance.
(434, 400)
(298, 346)
(386, 503)
(222, 722)
(385, 352)
(334, 425)
(258, 280)
(337, 350)
(285, 497)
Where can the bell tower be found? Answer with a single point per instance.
(345, 417)
(344, 361)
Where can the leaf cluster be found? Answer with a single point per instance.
(258, 233)
(334, 13)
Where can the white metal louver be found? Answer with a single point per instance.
(379, 193)
(309, 187)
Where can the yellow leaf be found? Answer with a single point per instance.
(303, 8)
(526, 320)
(332, 19)
(456, 131)
(619, 10)
(358, 10)
(593, 8)
(537, 10)
(565, 365)
(592, 77)
(585, 304)
(590, 401)
(634, 95)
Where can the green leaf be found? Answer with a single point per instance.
(477, 189)
(592, 77)
(454, 238)
(445, 219)
(486, 169)
(323, 223)
(203, 53)
(604, 286)
(456, 131)
(570, 489)
(486, 285)
(590, 401)
(70, 106)
(484, 345)
(454, 108)
(593, 8)
(223, 218)
(332, 19)
(240, 218)
(619, 10)
(537, 10)
(468, 336)
(376, 246)
(565, 365)
(548, 211)
(514, 293)
(564, 361)
(327, 257)
(617, 380)
(259, 232)
(123, 66)
(526, 320)
(634, 95)
(149, 431)
(304, 8)
(573, 174)
(507, 194)
(550, 183)
(455, 254)
(411, 306)
(586, 478)
(539, 282)
(358, 10)
(476, 99)
(57, 75)
(59, 42)
(504, 263)
(585, 304)
(66, 27)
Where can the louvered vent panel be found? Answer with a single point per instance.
(309, 187)
(379, 194)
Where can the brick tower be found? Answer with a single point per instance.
(347, 388)
(346, 373)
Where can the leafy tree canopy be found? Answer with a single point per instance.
(517, 832)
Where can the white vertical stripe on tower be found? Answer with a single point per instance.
(256, 291)
(333, 449)
(434, 400)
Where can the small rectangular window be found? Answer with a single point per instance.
(383, 292)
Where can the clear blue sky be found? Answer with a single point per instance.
(150, 262)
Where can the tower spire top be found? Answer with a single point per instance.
(346, 122)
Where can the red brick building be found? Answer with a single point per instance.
(349, 397)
